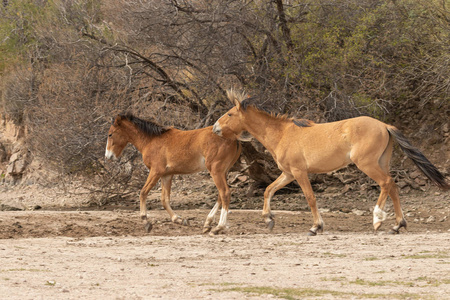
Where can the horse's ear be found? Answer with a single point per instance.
(117, 120)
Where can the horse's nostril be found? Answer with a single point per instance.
(216, 128)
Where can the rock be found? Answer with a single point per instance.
(420, 181)
(431, 219)
(415, 174)
(12, 205)
(402, 184)
(17, 164)
(242, 178)
(358, 212)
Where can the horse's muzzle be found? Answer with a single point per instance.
(109, 154)
(217, 129)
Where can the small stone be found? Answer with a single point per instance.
(415, 174)
(402, 184)
(358, 212)
(431, 219)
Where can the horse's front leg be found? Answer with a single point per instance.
(152, 179)
(224, 198)
(207, 227)
(279, 183)
(303, 181)
(166, 184)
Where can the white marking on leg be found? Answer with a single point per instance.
(223, 218)
(379, 215)
(213, 211)
(211, 214)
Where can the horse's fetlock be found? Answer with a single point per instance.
(379, 215)
(268, 215)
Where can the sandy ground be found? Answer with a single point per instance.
(66, 250)
(106, 254)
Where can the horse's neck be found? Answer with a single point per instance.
(266, 129)
(137, 138)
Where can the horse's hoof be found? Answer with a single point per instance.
(396, 229)
(185, 222)
(216, 231)
(206, 229)
(311, 233)
(148, 227)
(377, 226)
(271, 224)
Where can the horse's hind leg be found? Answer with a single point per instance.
(399, 218)
(305, 184)
(166, 184)
(279, 183)
(388, 187)
(393, 191)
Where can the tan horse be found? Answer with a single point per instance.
(300, 147)
(169, 151)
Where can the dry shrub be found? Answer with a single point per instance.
(19, 92)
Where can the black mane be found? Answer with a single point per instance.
(148, 127)
(302, 122)
(252, 101)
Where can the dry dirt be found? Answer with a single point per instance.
(69, 251)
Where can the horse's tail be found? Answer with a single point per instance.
(419, 159)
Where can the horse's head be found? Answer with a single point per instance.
(230, 125)
(116, 138)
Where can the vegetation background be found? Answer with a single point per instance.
(68, 67)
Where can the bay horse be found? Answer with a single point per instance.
(167, 151)
(301, 146)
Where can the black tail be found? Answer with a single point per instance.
(419, 159)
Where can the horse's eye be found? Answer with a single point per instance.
(229, 115)
(110, 135)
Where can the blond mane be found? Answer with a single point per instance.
(245, 101)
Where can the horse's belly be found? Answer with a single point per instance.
(328, 163)
(189, 166)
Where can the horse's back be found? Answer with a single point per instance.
(324, 147)
(191, 151)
